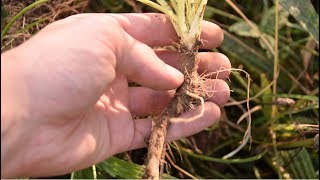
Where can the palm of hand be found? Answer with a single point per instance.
(90, 136)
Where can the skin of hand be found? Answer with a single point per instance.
(65, 100)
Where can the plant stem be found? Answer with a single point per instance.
(296, 144)
(276, 53)
(223, 161)
(274, 88)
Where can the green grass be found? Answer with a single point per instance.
(280, 148)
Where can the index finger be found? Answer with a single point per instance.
(155, 29)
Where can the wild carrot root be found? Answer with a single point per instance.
(181, 102)
(186, 17)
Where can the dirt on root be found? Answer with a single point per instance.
(48, 12)
(190, 94)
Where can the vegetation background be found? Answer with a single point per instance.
(284, 109)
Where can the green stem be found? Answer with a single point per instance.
(296, 144)
(27, 27)
(222, 145)
(21, 13)
(223, 161)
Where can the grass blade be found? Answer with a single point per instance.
(20, 14)
(122, 169)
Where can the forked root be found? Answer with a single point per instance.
(202, 108)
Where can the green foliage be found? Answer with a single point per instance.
(113, 167)
(305, 14)
(119, 168)
(83, 174)
(20, 14)
(243, 29)
(4, 14)
(266, 97)
(298, 163)
(252, 48)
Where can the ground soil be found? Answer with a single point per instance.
(51, 11)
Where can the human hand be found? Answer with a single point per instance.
(66, 104)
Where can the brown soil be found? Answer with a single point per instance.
(51, 11)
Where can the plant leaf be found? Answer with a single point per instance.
(243, 52)
(119, 168)
(243, 29)
(299, 163)
(83, 174)
(266, 98)
(267, 23)
(304, 12)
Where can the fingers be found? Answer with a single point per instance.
(133, 58)
(155, 29)
(187, 124)
(218, 91)
(151, 102)
(141, 65)
(216, 64)
(145, 102)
